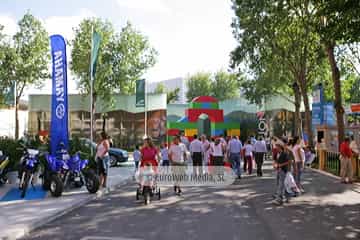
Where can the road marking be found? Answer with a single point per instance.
(107, 238)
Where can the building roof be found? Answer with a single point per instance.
(79, 102)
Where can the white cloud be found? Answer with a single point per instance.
(9, 24)
(150, 6)
(64, 25)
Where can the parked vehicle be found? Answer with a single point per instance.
(117, 155)
(67, 171)
(4, 168)
(28, 166)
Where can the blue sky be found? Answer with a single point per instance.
(190, 35)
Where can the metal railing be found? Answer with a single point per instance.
(332, 163)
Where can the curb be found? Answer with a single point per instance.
(37, 224)
(355, 186)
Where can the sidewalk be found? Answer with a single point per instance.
(17, 218)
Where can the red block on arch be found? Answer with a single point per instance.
(173, 132)
(215, 115)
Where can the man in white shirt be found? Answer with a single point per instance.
(196, 155)
(177, 156)
(234, 150)
(260, 150)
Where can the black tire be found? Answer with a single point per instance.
(147, 196)
(46, 180)
(25, 184)
(137, 195)
(113, 161)
(92, 182)
(56, 185)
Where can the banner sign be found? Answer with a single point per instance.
(317, 106)
(140, 93)
(262, 125)
(59, 100)
(329, 114)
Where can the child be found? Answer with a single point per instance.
(137, 157)
(164, 155)
(147, 176)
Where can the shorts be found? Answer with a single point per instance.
(103, 165)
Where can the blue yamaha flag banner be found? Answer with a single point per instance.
(59, 100)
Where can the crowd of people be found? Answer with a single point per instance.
(202, 152)
(289, 156)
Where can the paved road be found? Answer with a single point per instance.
(242, 211)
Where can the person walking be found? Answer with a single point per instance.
(282, 165)
(103, 159)
(346, 172)
(299, 161)
(217, 152)
(184, 140)
(177, 156)
(164, 155)
(196, 155)
(205, 150)
(260, 150)
(137, 157)
(149, 153)
(234, 150)
(248, 154)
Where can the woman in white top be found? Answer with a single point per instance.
(103, 158)
(249, 149)
(217, 152)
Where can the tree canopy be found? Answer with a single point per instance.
(123, 58)
(221, 85)
(171, 95)
(24, 58)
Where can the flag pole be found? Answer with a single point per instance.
(15, 92)
(145, 106)
(91, 91)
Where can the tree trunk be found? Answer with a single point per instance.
(17, 118)
(337, 90)
(297, 118)
(304, 93)
(104, 124)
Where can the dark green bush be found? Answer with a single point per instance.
(11, 148)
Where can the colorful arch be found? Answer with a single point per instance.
(203, 105)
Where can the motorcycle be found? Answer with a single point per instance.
(4, 163)
(29, 164)
(65, 171)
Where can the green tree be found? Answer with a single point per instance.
(337, 22)
(131, 56)
(24, 60)
(198, 84)
(123, 58)
(160, 88)
(225, 85)
(171, 95)
(276, 35)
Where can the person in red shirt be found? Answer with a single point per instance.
(149, 153)
(346, 172)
